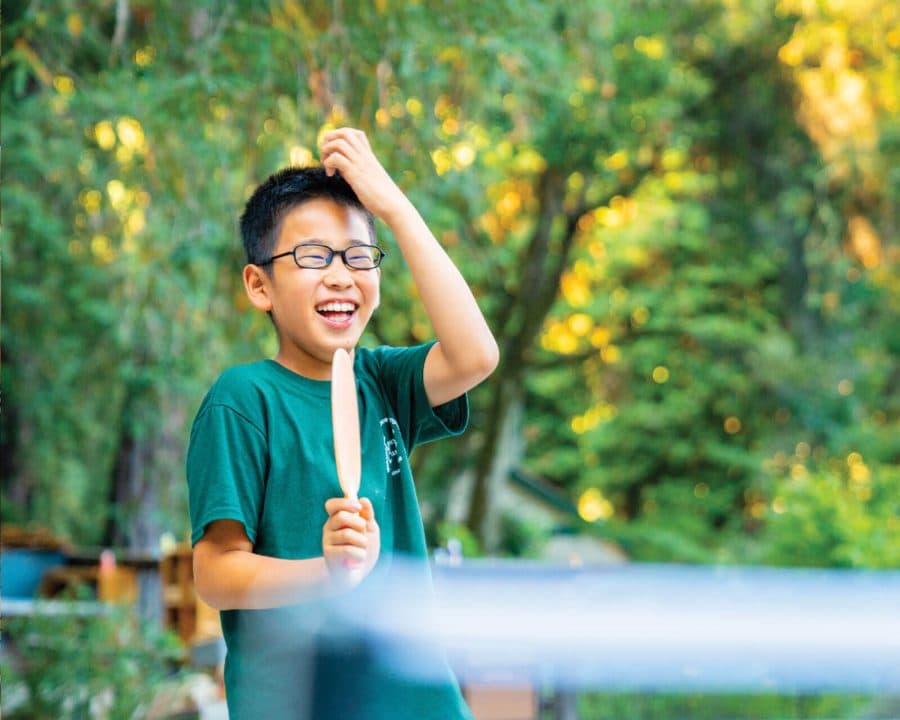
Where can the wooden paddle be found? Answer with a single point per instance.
(345, 423)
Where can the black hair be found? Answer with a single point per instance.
(286, 189)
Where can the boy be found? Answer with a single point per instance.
(273, 537)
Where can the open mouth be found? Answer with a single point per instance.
(338, 313)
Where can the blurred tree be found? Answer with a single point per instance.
(127, 171)
(678, 237)
(787, 307)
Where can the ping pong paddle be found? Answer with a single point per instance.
(345, 423)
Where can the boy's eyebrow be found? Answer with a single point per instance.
(320, 241)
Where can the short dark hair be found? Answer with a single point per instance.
(286, 189)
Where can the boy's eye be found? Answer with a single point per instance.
(359, 254)
(312, 254)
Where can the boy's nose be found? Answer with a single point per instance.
(337, 274)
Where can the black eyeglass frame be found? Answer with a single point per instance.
(329, 257)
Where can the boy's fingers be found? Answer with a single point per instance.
(335, 134)
(348, 537)
(334, 505)
(344, 519)
(337, 145)
(352, 135)
(359, 138)
(336, 151)
(353, 553)
(335, 161)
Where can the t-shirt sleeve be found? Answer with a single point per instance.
(402, 377)
(226, 470)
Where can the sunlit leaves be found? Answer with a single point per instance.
(845, 516)
(731, 288)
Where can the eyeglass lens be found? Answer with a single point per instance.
(360, 257)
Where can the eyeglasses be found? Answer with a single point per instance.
(315, 256)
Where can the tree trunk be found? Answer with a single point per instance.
(15, 432)
(521, 321)
(801, 320)
(546, 258)
(123, 15)
(18, 483)
(133, 502)
(501, 452)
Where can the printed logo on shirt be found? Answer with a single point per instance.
(393, 446)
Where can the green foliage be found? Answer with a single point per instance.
(839, 519)
(714, 321)
(521, 537)
(662, 706)
(448, 532)
(716, 184)
(64, 662)
(728, 286)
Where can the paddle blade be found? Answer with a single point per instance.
(345, 423)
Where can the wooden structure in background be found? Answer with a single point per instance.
(114, 584)
(183, 610)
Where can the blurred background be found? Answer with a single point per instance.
(680, 220)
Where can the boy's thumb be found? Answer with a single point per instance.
(367, 511)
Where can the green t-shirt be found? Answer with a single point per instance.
(261, 452)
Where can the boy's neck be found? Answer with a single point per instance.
(307, 365)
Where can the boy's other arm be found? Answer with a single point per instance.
(229, 575)
(466, 352)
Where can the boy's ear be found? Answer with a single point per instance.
(256, 284)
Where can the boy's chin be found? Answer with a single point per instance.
(348, 346)
(346, 343)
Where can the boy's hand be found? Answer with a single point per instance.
(351, 540)
(347, 151)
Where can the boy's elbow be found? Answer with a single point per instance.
(218, 570)
(485, 361)
(209, 595)
(202, 583)
(208, 582)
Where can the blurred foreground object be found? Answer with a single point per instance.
(646, 627)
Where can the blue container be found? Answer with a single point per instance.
(21, 570)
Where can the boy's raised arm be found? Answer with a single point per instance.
(466, 352)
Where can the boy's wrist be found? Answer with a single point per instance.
(342, 577)
(399, 213)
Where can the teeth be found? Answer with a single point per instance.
(336, 307)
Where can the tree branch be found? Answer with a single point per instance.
(123, 14)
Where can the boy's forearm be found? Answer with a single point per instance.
(461, 329)
(237, 579)
(466, 352)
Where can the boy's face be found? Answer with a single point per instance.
(317, 311)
